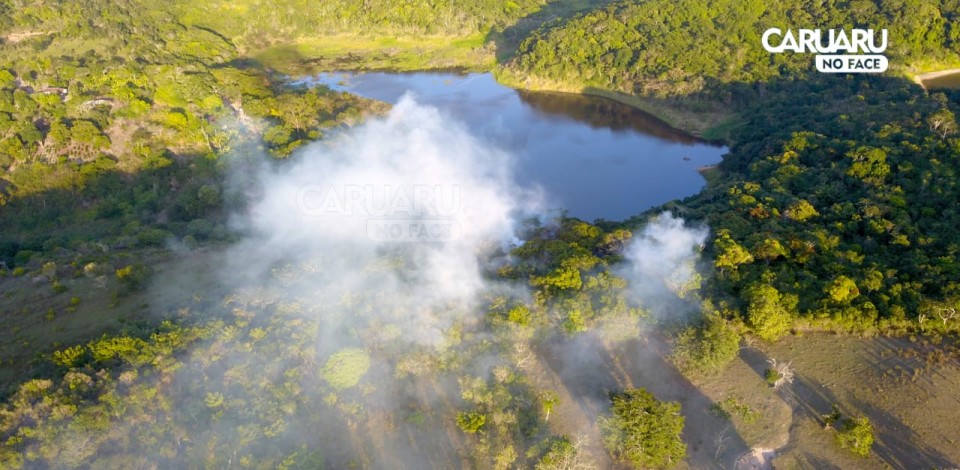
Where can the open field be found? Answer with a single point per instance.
(396, 54)
(35, 320)
(905, 387)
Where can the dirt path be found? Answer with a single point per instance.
(17, 37)
(584, 371)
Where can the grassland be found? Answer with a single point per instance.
(346, 52)
(903, 385)
(36, 319)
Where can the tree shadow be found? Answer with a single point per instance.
(602, 113)
(807, 398)
(591, 370)
(711, 441)
(808, 461)
(897, 444)
(584, 370)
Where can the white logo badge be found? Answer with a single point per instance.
(859, 51)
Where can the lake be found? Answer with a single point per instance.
(594, 157)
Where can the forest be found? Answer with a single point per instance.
(840, 221)
(675, 49)
(134, 140)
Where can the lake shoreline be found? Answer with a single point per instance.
(711, 126)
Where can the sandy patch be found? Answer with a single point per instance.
(757, 459)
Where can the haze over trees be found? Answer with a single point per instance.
(836, 209)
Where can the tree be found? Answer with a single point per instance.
(767, 313)
(471, 421)
(842, 289)
(869, 165)
(643, 431)
(943, 122)
(566, 455)
(801, 210)
(729, 253)
(856, 435)
(708, 346)
(770, 249)
(346, 367)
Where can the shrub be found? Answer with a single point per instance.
(133, 277)
(346, 367)
(856, 435)
(471, 421)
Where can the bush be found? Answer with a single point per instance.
(133, 277)
(471, 421)
(707, 347)
(856, 435)
(345, 368)
(772, 377)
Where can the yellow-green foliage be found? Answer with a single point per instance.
(346, 367)
(670, 47)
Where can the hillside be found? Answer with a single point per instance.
(688, 48)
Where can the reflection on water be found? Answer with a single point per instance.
(594, 158)
(600, 113)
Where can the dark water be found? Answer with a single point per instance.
(947, 81)
(595, 158)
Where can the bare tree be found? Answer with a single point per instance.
(721, 443)
(946, 314)
(942, 122)
(784, 372)
(523, 354)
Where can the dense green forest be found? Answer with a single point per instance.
(836, 201)
(845, 220)
(255, 24)
(680, 48)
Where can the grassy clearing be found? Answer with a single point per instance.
(36, 320)
(905, 386)
(344, 52)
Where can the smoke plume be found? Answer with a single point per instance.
(415, 188)
(661, 264)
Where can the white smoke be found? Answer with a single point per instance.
(413, 190)
(662, 262)
(380, 234)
